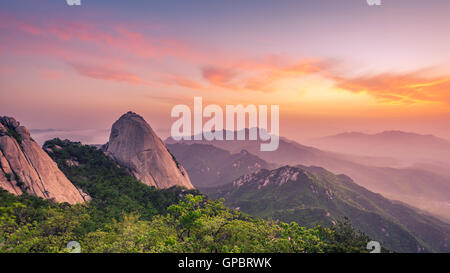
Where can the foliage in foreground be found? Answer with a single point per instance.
(29, 224)
(125, 215)
(113, 190)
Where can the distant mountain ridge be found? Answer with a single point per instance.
(409, 147)
(391, 133)
(419, 187)
(313, 195)
(210, 166)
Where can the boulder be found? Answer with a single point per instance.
(134, 145)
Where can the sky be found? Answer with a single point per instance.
(332, 66)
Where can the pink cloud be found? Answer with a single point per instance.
(406, 88)
(113, 37)
(183, 82)
(10, 22)
(104, 73)
(261, 75)
(96, 47)
(219, 76)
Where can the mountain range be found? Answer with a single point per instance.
(26, 167)
(276, 185)
(209, 166)
(421, 187)
(313, 195)
(409, 148)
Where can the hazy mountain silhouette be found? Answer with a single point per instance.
(420, 187)
(408, 147)
(208, 165)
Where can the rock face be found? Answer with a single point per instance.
(24, 166)
(135, 145)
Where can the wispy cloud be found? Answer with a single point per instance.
(219, 76)
(182, 81)
(107, 51)
(407, 88)
(115, 36)
(261, 75)
(98, 50)
(105, 73)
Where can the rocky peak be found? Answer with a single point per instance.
(277, 177)
(135, 145)
(25, 167)
(9, 122)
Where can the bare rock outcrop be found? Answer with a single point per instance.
(25, 167)
(135, 145)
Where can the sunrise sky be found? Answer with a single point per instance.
(332, 66)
